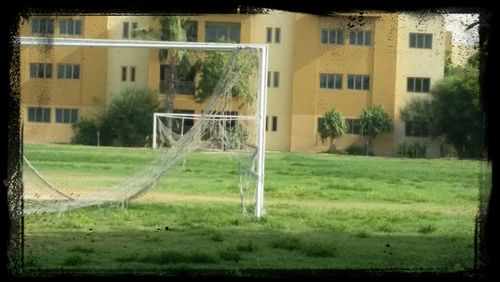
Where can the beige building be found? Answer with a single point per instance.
(315, 63)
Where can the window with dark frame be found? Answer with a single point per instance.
(267, 119)
(125, 33)
(273, 79)
(68, 71)
(421, 40)
(353, 126)
(330, 81)
(418, 84)
(132, 73)
(42, 26)
(362, 37)
(39, 114)
(70, 26)
(358, 82)
(65, 115)
(275, 123)
(276, 79)
(269, 35)
(332, 36)
(133, 32)
(416, 129)
(182, 126)
(40, 70)
(124, 73)
(222, 32)
(277, 35)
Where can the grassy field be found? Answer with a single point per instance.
(323, 212)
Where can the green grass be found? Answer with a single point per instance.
(323, 211)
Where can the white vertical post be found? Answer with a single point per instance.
(261, 138)
(154, 131)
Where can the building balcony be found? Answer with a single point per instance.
(183, 87)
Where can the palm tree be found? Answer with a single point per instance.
(172, 28)
(374, 121)
(331, 126)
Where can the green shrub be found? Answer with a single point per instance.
(126, 122)
(357, 150)
(412, 150)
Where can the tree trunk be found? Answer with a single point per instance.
(332, 146)
(171, 85)
(169, 103)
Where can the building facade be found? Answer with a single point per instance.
(346, 61)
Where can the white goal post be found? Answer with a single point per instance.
(261, 94)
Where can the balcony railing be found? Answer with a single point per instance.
(183, 87)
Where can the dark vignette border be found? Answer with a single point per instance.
(11, 203)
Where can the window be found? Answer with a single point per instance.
(332, 36)
(330, 81)
(267, 119)
(132, 73)
(66, 115)
(42, 25)
(416, 129)
(273, 78)
(38, 114)
(275, 124)
(125, 29)
(133, 32)
(277, 35)
(191, 28)
(40, 70)
(353, 126)
(269, 35)
(124, 73)
(363, 37)
(421, 40)
(182, 126)
(418, 84)
(70, 26)
(128, 70)
(276, 79)
(68, 71)
(358, 82)
(185, 84)
(222, 32)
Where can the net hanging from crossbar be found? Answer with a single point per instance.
(215, 128)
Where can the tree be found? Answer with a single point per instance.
(172, 28)
(331, 126)
(454, 110)
(126, 121)
(213, 66)
(374, 121)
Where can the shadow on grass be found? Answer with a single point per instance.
(240, 251)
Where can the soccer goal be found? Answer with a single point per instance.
(225, 124)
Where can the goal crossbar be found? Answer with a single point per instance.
(261, 99)
(200, 116)
(85, 42)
